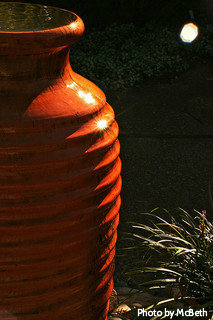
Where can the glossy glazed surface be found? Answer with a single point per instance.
(60, 182)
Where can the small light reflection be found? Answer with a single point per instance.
(73, 25)
(81, 93)
(88, 98)
(189, 32)
(102, 124)
(72, 85)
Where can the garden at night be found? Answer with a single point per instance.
(74, 244)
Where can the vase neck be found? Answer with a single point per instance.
(24, 78)
(44, 67)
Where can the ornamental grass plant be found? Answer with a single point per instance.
(176, 256)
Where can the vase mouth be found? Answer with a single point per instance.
(46, 26)
(26, 17)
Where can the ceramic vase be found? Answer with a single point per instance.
(59, 173)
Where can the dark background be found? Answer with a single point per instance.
(101, 13)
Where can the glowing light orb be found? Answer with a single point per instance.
(189, 32)
(102, 124)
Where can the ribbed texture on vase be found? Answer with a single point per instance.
(59, 214)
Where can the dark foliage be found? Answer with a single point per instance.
(183, 251)
(123, 55)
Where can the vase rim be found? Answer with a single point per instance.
(52, 27)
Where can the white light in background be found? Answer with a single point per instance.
(189, 32)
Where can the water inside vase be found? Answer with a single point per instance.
(22, 17)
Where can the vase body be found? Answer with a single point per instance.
(60, 181)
